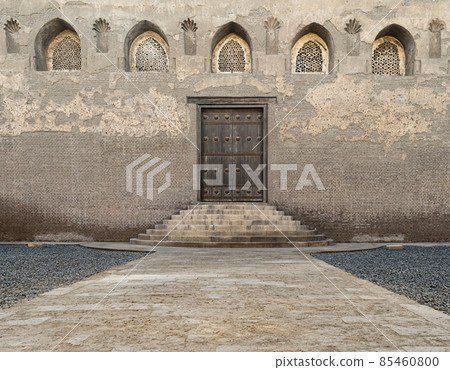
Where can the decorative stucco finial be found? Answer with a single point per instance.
(101, 26)
(12, 26)
(436, 25)
(190, 42)
(272, 24)
(353, 26)
(189, 25)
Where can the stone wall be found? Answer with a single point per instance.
(380, 144)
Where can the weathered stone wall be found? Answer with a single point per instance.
(380, 144)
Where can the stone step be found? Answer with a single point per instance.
(235, 228)
(250, 212)
(234, 238)
(231, 225)
(261, 206)
(278, 223)
(317, 243)
(230, 232)
(230, 217)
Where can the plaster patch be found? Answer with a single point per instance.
(385, 117)
(54, 77)
(122, 114)
(217, 81)
(186, 68)
(284, 88)
(13, 83)
(264, 88)
(113, 78)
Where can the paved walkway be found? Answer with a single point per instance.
(180, 299)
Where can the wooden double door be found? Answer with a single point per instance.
(229, 138)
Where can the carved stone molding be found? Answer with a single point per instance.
(435, 27)
(12, 28)
(353, 28)
(190, 42)
(101, 28)
(272, 25)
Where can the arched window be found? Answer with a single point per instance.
(310, 55)
(149, 53)
(231, 54)
(64, 52)
(388, 57)
(393, 52)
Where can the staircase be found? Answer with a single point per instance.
(232, 225)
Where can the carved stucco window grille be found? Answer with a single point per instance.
(149, 53)
(388, 57)
(64, 52)
(310, 55)
(231, 55)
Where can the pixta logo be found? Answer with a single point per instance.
(141, 173)
(146, 168)
(308, 177)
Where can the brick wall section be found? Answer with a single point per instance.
(379, 144)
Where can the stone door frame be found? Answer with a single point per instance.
(230, 103)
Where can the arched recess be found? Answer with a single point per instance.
(231, 50)
(150, 41)
(57, 47)
(318, 35)
(398, 34)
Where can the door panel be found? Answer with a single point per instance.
(247, 131)
(217, 129)
(228, 138)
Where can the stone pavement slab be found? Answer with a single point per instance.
(188, 299)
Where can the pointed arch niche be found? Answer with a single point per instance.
(57, 47)
(231, 50)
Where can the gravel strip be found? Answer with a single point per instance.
(27, 272)
(419, 273)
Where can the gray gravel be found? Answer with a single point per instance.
(420, 273)
(26, 272)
